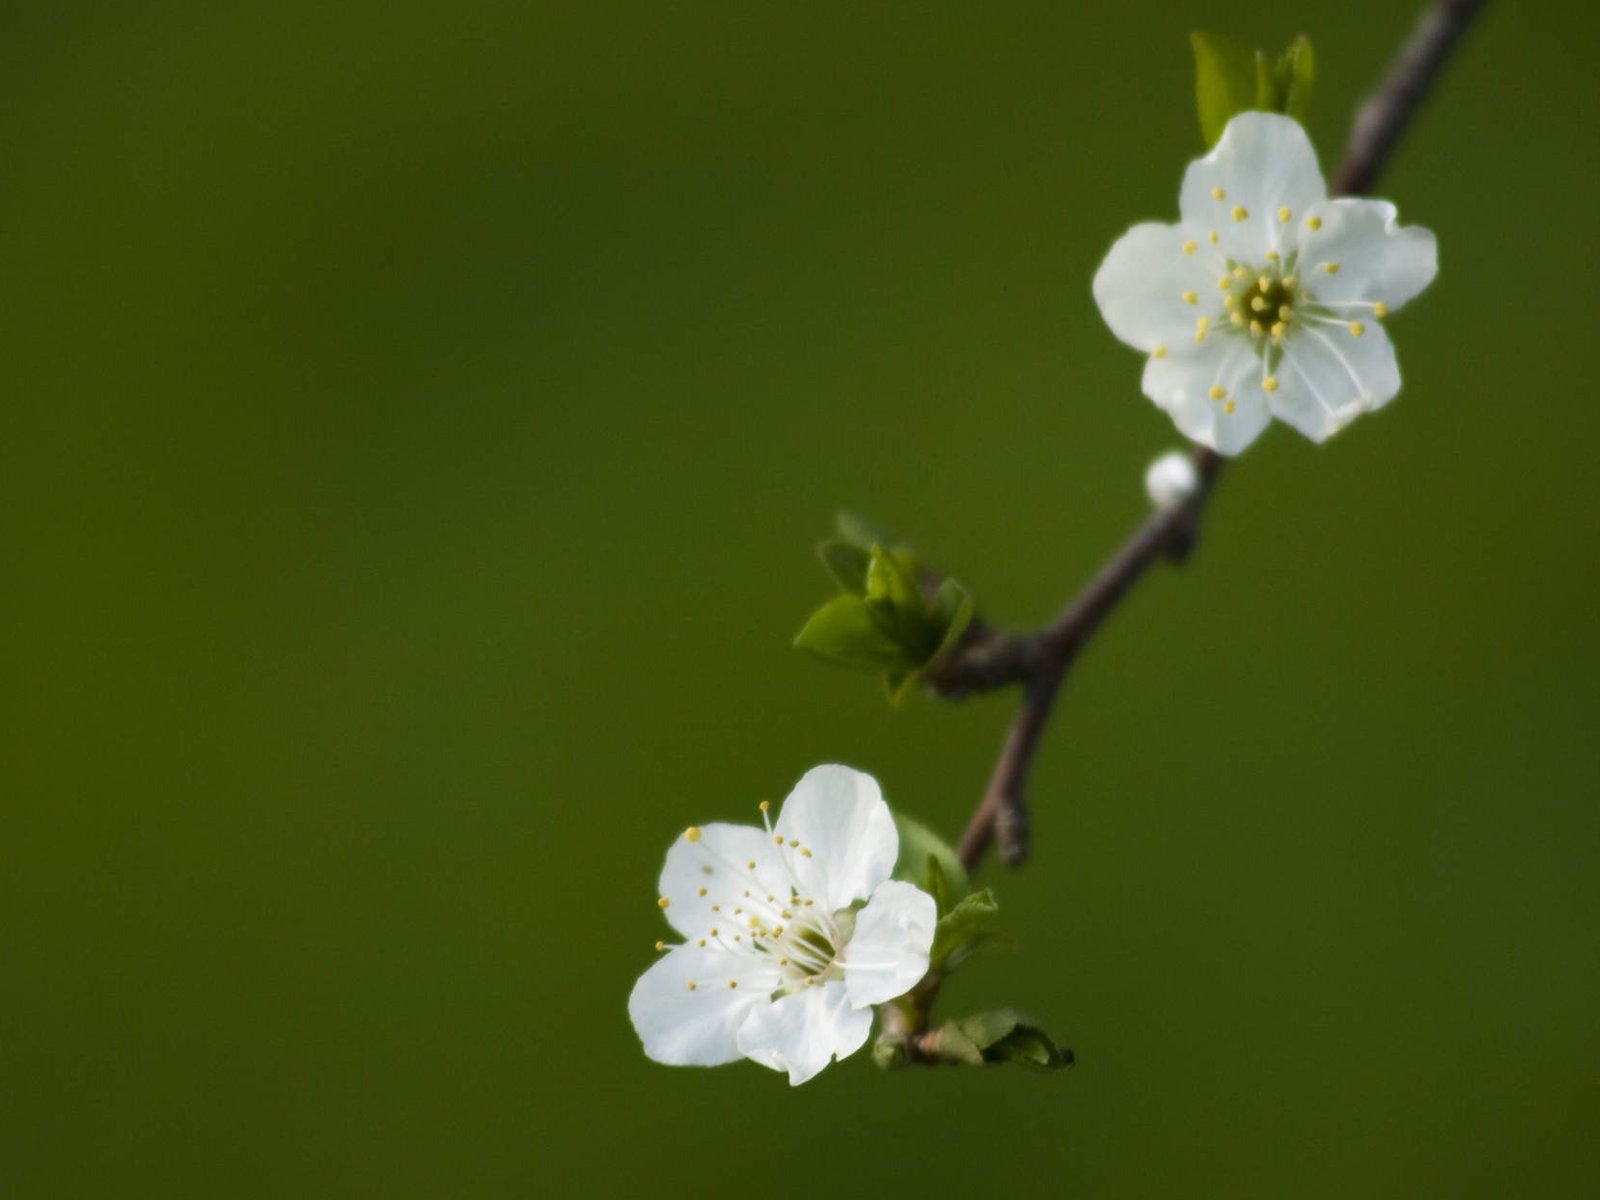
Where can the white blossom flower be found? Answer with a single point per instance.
(779, 964)
(1171, 479)
(1266, 299)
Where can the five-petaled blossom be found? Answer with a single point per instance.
(1266, 299)
(779, 964)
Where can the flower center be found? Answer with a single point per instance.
(1263, 301)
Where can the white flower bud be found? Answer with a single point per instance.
(1171, 480)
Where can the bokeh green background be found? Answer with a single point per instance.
(416, 422)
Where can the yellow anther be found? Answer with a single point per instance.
(783, 962)
(809, 903)
(1357, 328)
(702, 942)
(1218, 194)
(1237, 318)
(1241, 272)
(1289, 281)
(693, 985)
(1240, 212)
(716, 932)
(738, 912)
(733, 983)
(786, 915)
(1212, 237)
(807, 853)
(663, 903)
(702, 891)
(1264, 284)
(1255, 329)
(1278, 331)
(1273, 256)
(661, 945)
(1284, 214)
(1229, 407)
(1200, 327)
(751, 865)
(778, 839)
(1224, 283)
(1380, 310)
(747, 894)
(1190, 247)
(1218, 391)
(777, 931)
(692, 833)
(1159, 352)
(764, 805)
(1258, 303)
(1313, 223)
(794, 842)
(1331, 268)
(716, 908)
(1270, 383)
(1191, 298)
(1285, 312)
(1230, 302)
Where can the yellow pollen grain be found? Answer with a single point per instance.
(1218, 194)
(1240, 212)
(1331, 268)
(1229, 407)
(1380, 310)
(1190, 247)
(1200, 327)
(1218, 391)
(1284, 214)
(663, 903)
(1357, 328)
(1270, 383)
(1159, 352)
(1191, 298)
(692, 833)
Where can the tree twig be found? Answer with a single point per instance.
(1040, 661)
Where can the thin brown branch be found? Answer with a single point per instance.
(1040, 661)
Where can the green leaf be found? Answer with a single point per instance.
(897, 685)
(1296, 70)
(963, 929)
(898, 607)
(888, 579)
(1225, 82)
(927, 860)
(845, 631)
(847, 564)
(1003, 1035)
(864, 532)
(952, 612)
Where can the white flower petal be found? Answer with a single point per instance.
(1379, 260)
(717, 858)
(838, 815)
(1263, 163)
(1142, 284)
(699, 1027)
(888, 952)
(1181, 382)
(804, 1031)
(1328, 378)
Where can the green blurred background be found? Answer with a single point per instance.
(417, 421)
